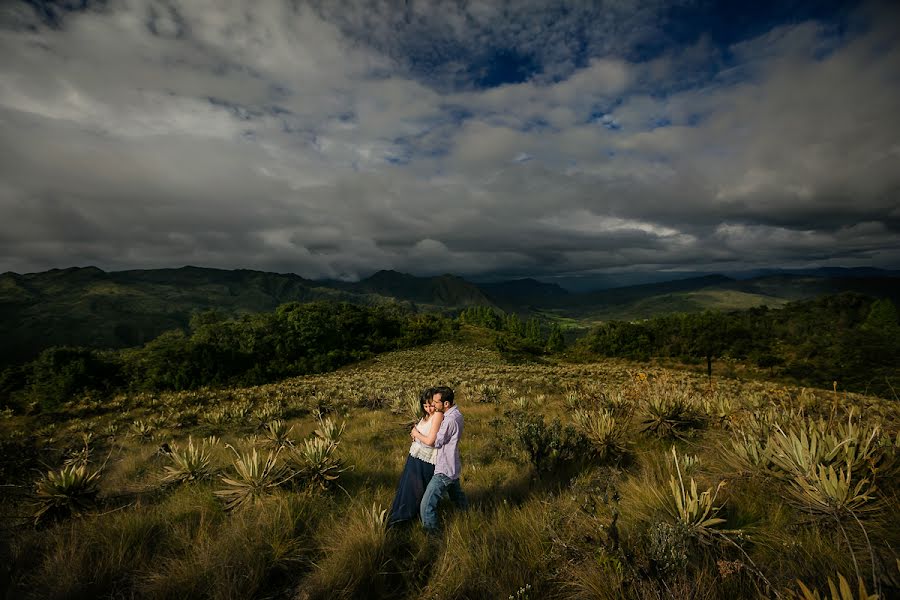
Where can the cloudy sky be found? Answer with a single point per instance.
(333, 138)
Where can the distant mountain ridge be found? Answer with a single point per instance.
(518, 293)
(443, 290)
(90, 307)
(595, 283)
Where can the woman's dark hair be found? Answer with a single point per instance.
(424, 398)
(445, 392)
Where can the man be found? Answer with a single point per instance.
(447, 467)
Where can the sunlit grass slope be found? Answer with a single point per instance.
(654, 484)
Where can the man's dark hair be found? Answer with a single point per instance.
(424, 397)
(445, 392)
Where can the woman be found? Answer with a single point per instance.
(419, 464)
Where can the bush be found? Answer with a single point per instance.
(59, 373)
(549, 446)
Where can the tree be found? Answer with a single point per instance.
(514, 325)
(555, 341)
(882, 319)
(58, 373)
(708, 336)
(533, 332)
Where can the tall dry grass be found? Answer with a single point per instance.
(612, 525)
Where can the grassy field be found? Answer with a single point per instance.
(655, 484)
(663, 304)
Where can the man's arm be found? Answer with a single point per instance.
(448, 428)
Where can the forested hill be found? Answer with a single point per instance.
(443, 290)
(846, 338)
(92, 308)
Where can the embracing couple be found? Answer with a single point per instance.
(433, 466)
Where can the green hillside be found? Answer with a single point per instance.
(679, 302)
(440, 291)
(93, 308)
(89, 307)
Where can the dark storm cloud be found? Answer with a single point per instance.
(334, 139)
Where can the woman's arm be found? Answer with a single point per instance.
(435, 427)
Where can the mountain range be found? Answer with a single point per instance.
(90, 307)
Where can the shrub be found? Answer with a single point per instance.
(550, 446)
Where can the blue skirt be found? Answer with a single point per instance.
(415, 478)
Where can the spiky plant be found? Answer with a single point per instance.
(574, 401)
(669, 416)
(239, 410)
(839, 591)
(407, 406)
(216, 416)
(600, 427)
(797, 450)
(747, 454)
(759, 424)
(830, 493)
(254, 476)
(142, 430)
(65, 491)
(190, 464)
(81, 455)
(827, 491)
(860, 447)
(268, 412)
(689, 463)
(719, 409)
(329, 431)
(487, 394)
(694, 510)
(376, 517)
(316, 462)
(277, 434)
(523, 403)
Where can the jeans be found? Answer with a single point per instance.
(436, 488)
